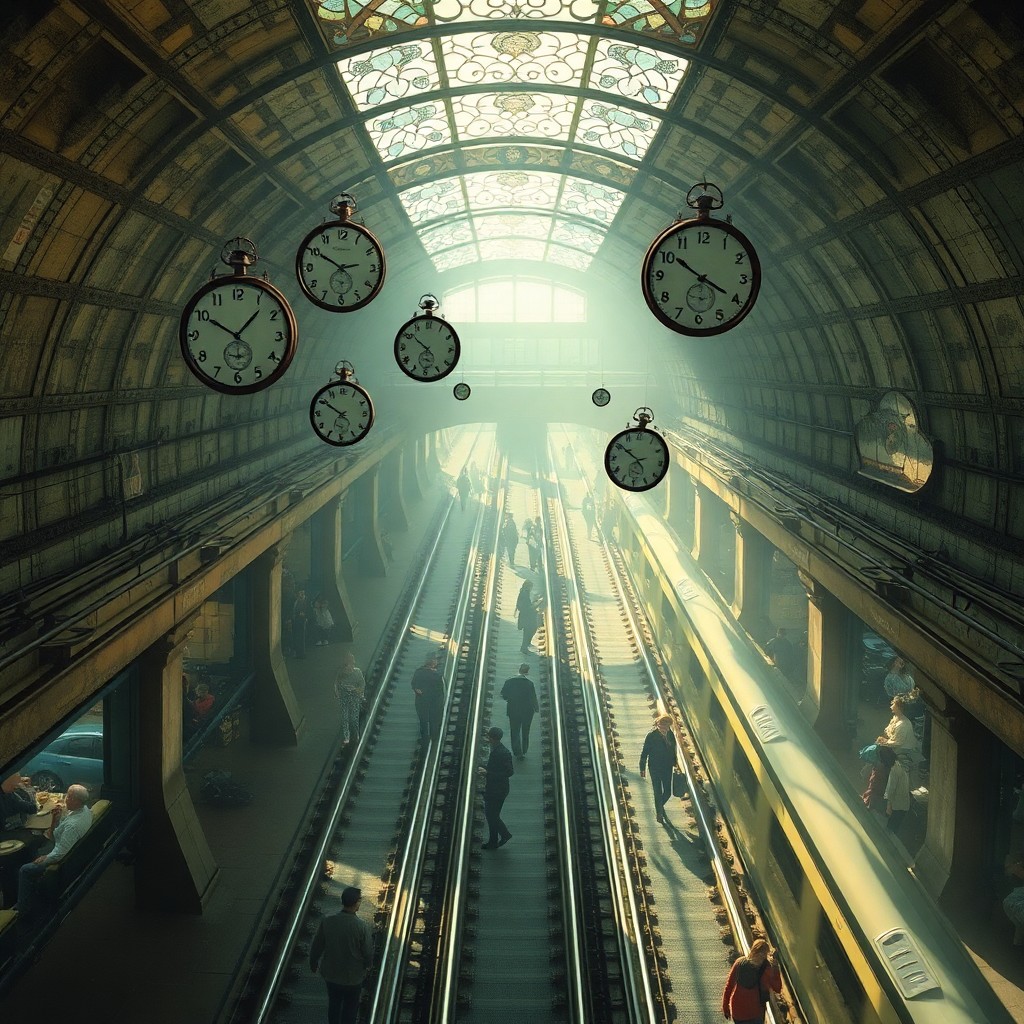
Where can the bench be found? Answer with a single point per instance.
(62, 875)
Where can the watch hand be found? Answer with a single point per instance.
(630, 454)
(343, 415)
(703, 278)
(217, 323)
(340, 266)
(246, 324)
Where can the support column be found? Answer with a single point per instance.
(175, 869)
(328, 522)
(934, 862)
(705, 526)
(276, 716)
(367, 497)
(423, 474)
(394, 494)
(411, 471)
(829, 671)
(753, 579)
(433, 459)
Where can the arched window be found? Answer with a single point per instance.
(515, 300)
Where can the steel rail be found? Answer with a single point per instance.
(278, 967)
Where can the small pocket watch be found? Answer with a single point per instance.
(341, 412)
(701, 276)
(340, 265)
(427, 348)
(637, 458)
(238, 333)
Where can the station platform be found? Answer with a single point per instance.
(110, 961)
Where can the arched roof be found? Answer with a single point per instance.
(872, 152)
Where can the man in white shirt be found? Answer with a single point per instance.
(67, 826)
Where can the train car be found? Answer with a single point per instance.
(861, 940)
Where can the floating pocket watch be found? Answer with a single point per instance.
(637, 458)
(340, 265)
(601, 397)
(462, 391)
(427, 348)
(341, 412)
(237, 333)
(701, 276)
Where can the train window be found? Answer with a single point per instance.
(745, 773)
(839, 967)
(717, 716)
(786, 859)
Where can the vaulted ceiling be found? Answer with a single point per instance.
(871, 150)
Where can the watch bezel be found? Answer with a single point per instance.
(331, 306)
(687, 225)
(329, 387)
(231, 281)
(627, 487)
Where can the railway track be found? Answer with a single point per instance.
(566, 922)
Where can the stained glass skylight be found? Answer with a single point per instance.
(439, 100)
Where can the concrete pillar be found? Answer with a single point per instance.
(411, 471)
(367, 497)
(175, 869)
(706, 521)
(433, 455)
(276, 716)
(958, 816)
(829, 671)
(934, 862)
(753, 579)
(424, 475)
(328, 522)
(393, 482)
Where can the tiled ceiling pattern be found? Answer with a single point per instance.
(477, 84)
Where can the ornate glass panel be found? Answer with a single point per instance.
(434, 199)
(616, 130)
(455, 257)
(512, 188)
(682, 21)
(501, 225)
(580, 236)
(348, 22)
(539, 10)
(571, 258)
(394, 73)
(588, 199)
(444, 236)
(637, 72)
(533, 58)
(343, 22)
(512, 249)
(410, 129)
(518, 114)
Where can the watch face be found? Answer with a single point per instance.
(636, 460)
(701, 277)
(238, 334)
(601, 397)
(341, 413)
(427, 348)
(340, 266)
(461, 391)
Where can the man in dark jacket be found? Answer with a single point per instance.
(659, 754)
(344, 944)
(428, 685)
(497, 773)
(521, 701)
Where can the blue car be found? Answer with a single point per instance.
(76, 756)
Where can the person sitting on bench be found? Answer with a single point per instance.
(66, 828)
